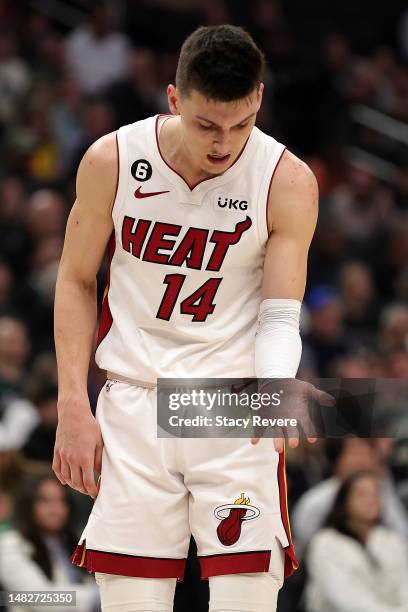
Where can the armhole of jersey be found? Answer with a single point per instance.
(265, 190)
(123, 172)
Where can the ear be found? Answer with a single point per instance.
(259, 94)
(172, 97)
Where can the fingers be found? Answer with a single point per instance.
(56, 467)
(89, 481)
(98, 459)
(308, 426)
(259, 431)
(293, 442)
(279, 444)
(325, 399)
(79, 475)
(278, 438)
(65, 471)
(76, 479)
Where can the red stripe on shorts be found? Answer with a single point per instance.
(127, 565)
(234, 563)
(291, 563)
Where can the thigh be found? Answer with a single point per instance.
(139, 522)
(238, 506)
(128, 594)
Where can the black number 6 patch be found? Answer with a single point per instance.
(141, 170)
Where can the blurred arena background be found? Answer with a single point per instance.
(337, 96)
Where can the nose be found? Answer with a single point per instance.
(222, 143)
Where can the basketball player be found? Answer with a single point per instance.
(208, 223)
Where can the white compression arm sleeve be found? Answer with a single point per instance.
(278, 346)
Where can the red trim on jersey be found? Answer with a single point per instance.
(117, 172)
(291, 563)
(208, 178)
(127, 565)
(269, 188)
(105, 322)
(234, 563)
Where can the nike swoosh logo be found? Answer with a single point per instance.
(139, 194)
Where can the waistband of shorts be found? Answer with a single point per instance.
(131, 381)
(202, 383)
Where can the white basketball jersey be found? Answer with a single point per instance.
(186, 265)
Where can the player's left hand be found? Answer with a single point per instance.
(297, 395)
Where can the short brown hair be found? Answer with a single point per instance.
(220, 62)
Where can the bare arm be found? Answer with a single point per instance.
(78, 442)
(292, 217)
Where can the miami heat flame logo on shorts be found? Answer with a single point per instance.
(229, 530)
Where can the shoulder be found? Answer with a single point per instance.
(293, 191)
(329, 541)
(12, 542)
(319, 496)
(98, 170)
(322, 543)
(389, 548)
(325, 536)
(293, 171)
(293, 176)
(102, 155)
(383, 536)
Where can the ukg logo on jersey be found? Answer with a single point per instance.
(229, 204)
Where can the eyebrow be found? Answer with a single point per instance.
(212, 122)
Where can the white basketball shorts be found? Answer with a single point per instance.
(155, 492)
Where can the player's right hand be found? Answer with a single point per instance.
(78, 446)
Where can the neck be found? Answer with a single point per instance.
(175, 153)
(360, 528)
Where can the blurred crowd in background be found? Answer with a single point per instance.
(337, 96)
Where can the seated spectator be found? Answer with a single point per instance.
(5, 511)
(362, 207)
(348, 456)
(138, 95)
(360, 364)
(36, 555)
(40, 443)
(97, 55)
(12, 471)
(359, 299)
(46, 215)
(354, 564)
(15, 76)
(15, 241)
(393, 333)
(327, 338)
(19, 416)
(14, 351)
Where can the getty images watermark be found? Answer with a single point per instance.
(226, 400)
(249, 407)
